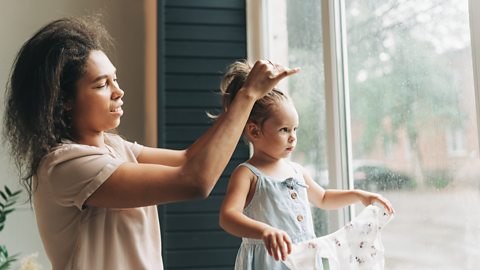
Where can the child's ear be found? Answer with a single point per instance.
(253, 131)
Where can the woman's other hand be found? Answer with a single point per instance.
(277, 243)
(264, 76)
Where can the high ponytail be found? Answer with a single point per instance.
(233, 81)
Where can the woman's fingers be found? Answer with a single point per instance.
(265, 75)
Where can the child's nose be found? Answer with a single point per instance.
(292, 138)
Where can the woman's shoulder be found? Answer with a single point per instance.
(68, 150)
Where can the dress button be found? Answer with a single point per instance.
(300, 217)
(289, 187)
(294, 195)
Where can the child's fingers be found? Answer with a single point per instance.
(289, 244)
(274, 248)
(268, 246)
(386, 203)
(281, 246)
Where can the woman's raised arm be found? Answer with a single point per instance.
(135, 185)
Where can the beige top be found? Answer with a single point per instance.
(76, 236)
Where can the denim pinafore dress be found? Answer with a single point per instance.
(282, 204)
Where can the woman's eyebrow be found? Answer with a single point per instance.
(104, 76)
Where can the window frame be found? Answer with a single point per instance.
(339, 142)
(475, 39)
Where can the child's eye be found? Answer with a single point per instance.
(284, 129)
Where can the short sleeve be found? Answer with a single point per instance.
(76, 171)
(134, 147)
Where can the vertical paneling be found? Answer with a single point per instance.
(197, 40)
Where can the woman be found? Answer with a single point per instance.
(94, 193)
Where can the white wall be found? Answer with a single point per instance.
(128, 22)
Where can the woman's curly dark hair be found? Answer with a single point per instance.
(43, 78)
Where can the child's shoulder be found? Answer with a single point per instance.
(244, 169)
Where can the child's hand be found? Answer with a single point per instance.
(275, 241)
(369, 198)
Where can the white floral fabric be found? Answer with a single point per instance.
(358, 245)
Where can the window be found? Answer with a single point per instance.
(390, 85)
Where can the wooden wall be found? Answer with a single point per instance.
(197, 41)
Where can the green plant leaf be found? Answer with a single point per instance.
(9, 193)
(3, 195)
(10, 204)
(1, 205)
(17, 192)
(9, 211)
(4, 251)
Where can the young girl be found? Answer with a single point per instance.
(267, 200)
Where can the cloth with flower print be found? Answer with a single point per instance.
(358, 245)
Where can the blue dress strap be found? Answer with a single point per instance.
(256, 171)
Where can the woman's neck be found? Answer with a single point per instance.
(93, 139)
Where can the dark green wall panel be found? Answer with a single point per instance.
(197, 40)
(205, 16)
(230, 33)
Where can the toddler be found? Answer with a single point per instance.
(267, 200)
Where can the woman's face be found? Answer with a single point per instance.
(98, 100)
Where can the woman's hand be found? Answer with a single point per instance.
(264, 76)
(369, 198)
(275, 241)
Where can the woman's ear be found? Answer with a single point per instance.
(253, 132)
(67, 105)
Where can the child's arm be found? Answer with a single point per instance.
(335, 199)
(235, 222)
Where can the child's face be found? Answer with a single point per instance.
(278, 137)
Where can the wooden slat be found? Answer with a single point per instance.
(192, 222)
(188, 116)
(205, 258)
(184, 134)
(211, 204)
(197, 66)
(189, 99)
(205, 49)
(205, 4)
(205, 16)
(202, 240)
(228, 33)
(193, 82)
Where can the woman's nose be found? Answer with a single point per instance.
(117, 92)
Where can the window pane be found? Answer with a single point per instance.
(296, 40)
(414, 130)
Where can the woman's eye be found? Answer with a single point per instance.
(101, 86)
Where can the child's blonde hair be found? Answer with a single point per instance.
(233, 81)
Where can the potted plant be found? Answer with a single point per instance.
(7, 200)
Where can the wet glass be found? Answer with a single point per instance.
(413, 124)
(295, 40)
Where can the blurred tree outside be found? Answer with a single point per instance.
(400, 56)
